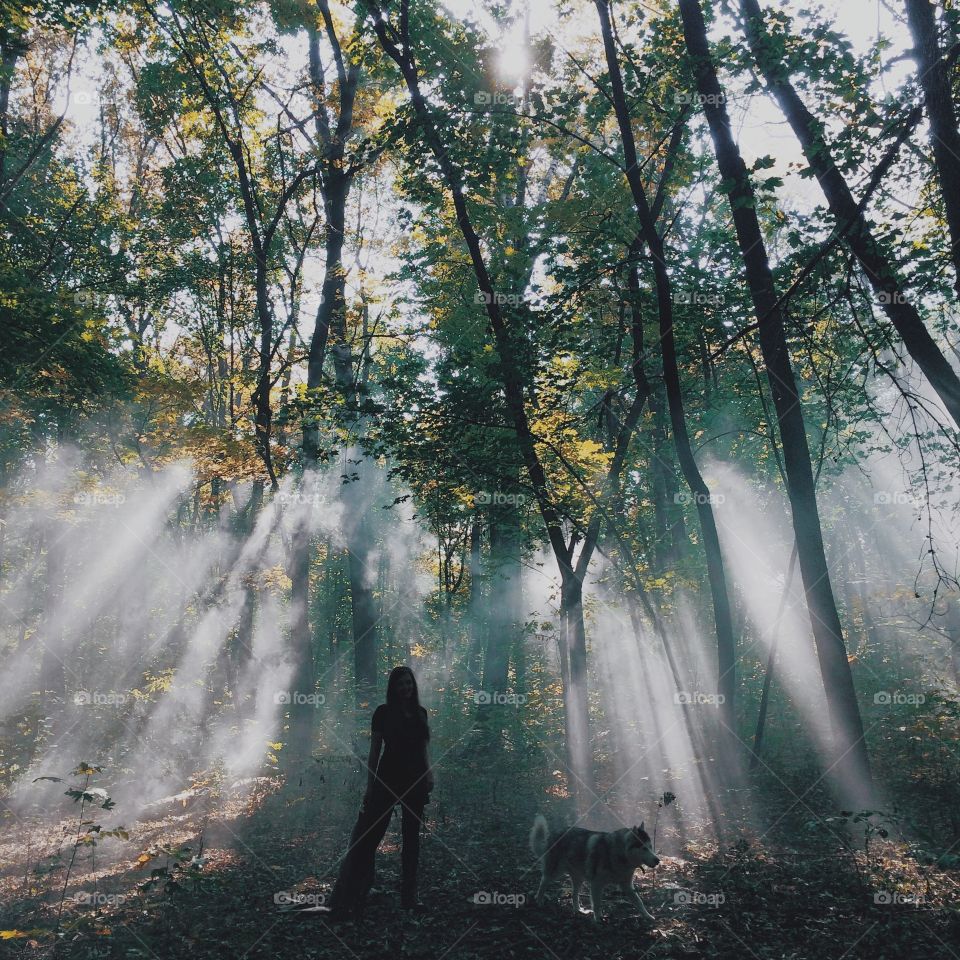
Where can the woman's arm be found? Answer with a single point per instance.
(376, 745)
(428, 777)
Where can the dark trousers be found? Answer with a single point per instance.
(357, 869)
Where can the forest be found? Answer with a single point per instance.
(583, 372)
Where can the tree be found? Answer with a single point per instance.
(851, 751)
(726, 658)
(880, 268)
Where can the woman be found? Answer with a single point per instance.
(401, 775)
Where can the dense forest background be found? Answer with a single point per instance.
(596, 359)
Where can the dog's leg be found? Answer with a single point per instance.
(577, 884)
(631, 891)
(596, 901)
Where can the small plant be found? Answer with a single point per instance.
(88, 832)
(182, 871)
(665, 800)
(876, 824)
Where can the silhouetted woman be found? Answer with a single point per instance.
(401, 775)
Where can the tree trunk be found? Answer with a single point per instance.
(576, 701)
(12, 46)
(505, 597)
(726, 658)
(505, 338)
(331, 314)
(475, 608)
(878, 265)
(851, 753)
(355, 493)
(505, 603)
(934, 78)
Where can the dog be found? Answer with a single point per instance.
(601, 859)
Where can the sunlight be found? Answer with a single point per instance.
(513, 61)
(476, 450)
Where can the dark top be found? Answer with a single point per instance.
(404, 737)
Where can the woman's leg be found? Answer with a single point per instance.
(411, 822)
(356, 870)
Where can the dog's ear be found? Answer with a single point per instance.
(640, 828)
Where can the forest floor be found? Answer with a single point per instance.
(788, 893)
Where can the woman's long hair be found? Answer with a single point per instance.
(394, 702)
(393, 694)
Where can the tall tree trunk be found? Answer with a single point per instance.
(330, 312)
(355, 494)
(671, 529)
(505, 596)
(475, 608)
(934, 78)
(302, 708)
(397, 47)
(505, 603)
(12, 46)
(331, 315)
(851, 752)
(726, 657)
(878, 265)
(331, 323)
(576, 702)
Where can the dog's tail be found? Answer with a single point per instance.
(539, 835)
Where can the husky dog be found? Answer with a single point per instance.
(599, 858)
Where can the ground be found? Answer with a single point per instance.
(798, 891)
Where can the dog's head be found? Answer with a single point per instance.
(640, 848)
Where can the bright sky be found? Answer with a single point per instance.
(762, 130)
(761, 127)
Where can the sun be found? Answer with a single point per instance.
(513, 62)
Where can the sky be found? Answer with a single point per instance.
(760, 127)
